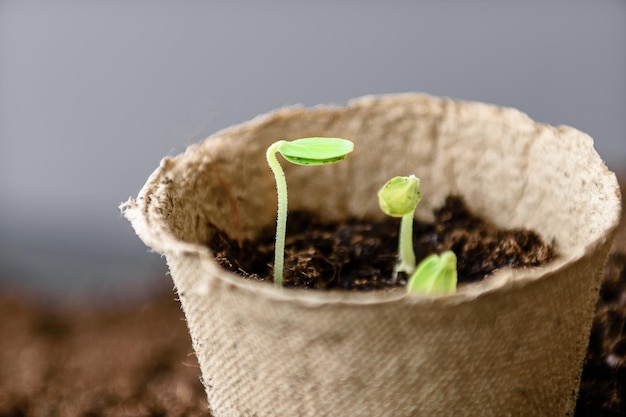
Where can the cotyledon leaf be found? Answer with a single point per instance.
(315, 150)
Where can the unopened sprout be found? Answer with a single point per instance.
(435, 275)
(305, 151)
(398, 198)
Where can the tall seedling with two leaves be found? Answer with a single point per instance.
(305, 151)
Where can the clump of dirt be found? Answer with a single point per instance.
(358, 254)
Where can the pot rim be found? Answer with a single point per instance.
(140, 213)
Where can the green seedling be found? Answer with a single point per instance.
(305, 151)
(435, 275)
(398, 198)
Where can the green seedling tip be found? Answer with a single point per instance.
(398, 198)
(435, 275)
(305, 151)
(315, 151)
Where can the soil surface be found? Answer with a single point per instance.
(138, 360)
(360, 255)
(89, 363)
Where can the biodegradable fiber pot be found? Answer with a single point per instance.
(513, 344)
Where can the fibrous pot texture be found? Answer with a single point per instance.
(512, 344)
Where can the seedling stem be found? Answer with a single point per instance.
(305, 151)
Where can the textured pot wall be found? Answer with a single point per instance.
(515, 171)
(513, 353)
(511, 345)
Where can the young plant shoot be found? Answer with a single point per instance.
(398, 198)
(435, 275)
(305, 151)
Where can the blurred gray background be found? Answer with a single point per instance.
(94, 94)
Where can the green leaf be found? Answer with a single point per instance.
(435, 275)
(315, 151)
(399, 196)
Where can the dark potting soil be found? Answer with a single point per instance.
(360, 255)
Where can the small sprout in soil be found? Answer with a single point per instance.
(305, 151)
(398, 198)
(435, 275)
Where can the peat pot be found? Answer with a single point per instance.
(513, 344)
